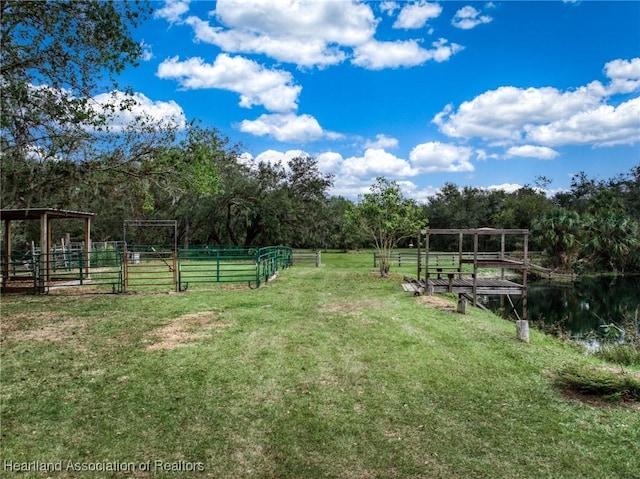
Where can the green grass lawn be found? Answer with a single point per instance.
(323, 372)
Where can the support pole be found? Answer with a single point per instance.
(87, 247)
(419, 258)
(6, 271)
(502, 249)
(522, 326)
(44, 249)
(522, 330)
(475, 268)
(460, 240)
(426, 257)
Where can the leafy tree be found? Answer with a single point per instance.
(341, 233)
(524, 206)
(387, 217)
(307, 190)
(559, 233)
(261, 203)
(613, 241)
(54, 57)
(579, 196)
(630, 191)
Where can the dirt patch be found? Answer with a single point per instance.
(41, 327)
(352, 306)
(438, 302)
(595, 401)
(573, 392)
(185, 330)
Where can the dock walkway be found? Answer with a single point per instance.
(453, 276)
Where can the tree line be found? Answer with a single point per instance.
(61, 150)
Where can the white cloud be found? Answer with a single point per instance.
(602, 126)
(550, 117)
(376, 55)
(285, 127)
(345, 23)
(245, 158)
(173, 10)
(468, 17)
(482, 155)
(329, 161)
(625, 75)
(354, 175)
(435, 156)
(420, 194)
(503, 113)
(140, 108)
(623, 69)
(311, 33)
(304, 32)
(416, 15)
(441, 51)
(305, 52)
(382, 141)
(375, 162)
(389, 7)
(274, 157)
(531, 151)
(147, 52)
(256, 84)
(506, 187)
(351, 187)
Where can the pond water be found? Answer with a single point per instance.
(582, 307)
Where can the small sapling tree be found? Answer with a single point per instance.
(387, 217)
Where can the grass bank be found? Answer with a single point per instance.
(324, 372)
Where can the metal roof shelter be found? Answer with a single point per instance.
(46, 217)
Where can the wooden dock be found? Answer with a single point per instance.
(468, 286)
(464, 286)
(449, 272)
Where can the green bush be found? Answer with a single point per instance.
(608, 384)
(622, 354)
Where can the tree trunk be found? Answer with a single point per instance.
(385, 263)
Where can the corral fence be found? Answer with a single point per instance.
(307, 257)
(231, 265)
(116, 268)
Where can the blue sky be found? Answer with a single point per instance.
(485, 94)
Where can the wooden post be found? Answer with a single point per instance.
(7, 251)
(125, 267)
(475, 268)
(44, 249)
(419, 258)
(525, 272)
(502, 248)
(87, 247)
(522, 326)
(522, 330)
(460, 240)
(175, 257)
(426, 258)
(462, 305)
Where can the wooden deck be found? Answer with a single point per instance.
(465, 286)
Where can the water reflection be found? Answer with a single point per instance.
(583, 306)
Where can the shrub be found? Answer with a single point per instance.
(622, 354)
(612, 385)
